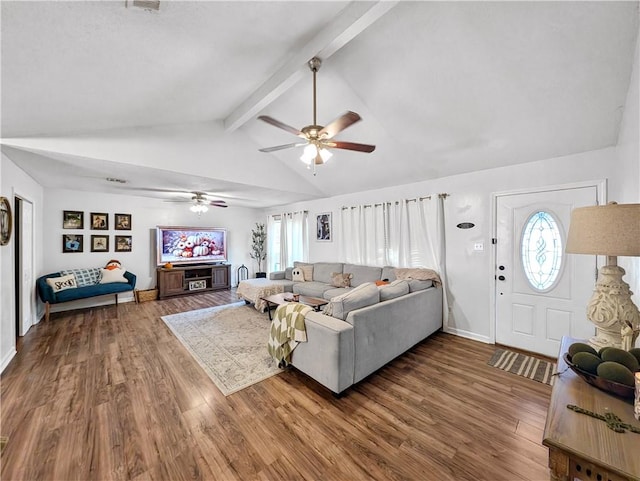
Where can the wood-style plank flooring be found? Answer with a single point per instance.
(92, 396)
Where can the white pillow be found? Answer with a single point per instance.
(308, 273)
(112, 275)
(63, 282)
(297, 275)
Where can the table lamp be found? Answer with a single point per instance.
(610, 230)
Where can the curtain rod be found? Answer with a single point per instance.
(290, 213)
(443, 195)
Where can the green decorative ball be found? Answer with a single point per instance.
(577, 347)
(621, 357)
(586, 361)
(616, 372)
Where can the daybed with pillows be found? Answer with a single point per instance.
(73, 284)
(364, 325)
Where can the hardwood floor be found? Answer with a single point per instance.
(91, 396)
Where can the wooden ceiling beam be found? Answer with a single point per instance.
(348, 24)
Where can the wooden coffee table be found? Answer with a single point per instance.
(275, 300)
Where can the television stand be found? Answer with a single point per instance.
(186, 280)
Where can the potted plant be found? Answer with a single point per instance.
(259, 247)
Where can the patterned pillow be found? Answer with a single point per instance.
(338, 279)
(84, 277)
(61, 283)
(308, 272)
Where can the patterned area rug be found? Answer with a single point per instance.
(523, 365)
(229, 342)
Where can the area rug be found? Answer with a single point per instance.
(523, 365)
(229, 342)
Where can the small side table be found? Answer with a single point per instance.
(581, 447)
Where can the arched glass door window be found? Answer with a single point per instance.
(541, 251)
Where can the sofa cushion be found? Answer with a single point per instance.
(90, 291)
(312, 288)
(389, 273)
(338, 279)
(63, 282)
(362, 274)
(112, 275)
(322, 271)
(395, 289)
(308, 273)
(361, 296)
(416, 285)
(334, 292)
(297, 275)
(84, 277)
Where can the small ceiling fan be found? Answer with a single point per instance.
(318, 139)
(199, 202)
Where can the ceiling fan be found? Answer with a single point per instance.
(199, 202)
(318, 139)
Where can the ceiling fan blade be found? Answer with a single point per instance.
(280, 125)
(336, 144)
(218, 204)
(338, 125)
(282, 147)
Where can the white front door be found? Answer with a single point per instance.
(541, 292)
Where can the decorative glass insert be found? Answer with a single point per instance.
(541, 251)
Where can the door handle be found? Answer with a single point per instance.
(501, 278)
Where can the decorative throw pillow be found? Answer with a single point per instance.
(113, 275)
(63, 282)
(297, 275)
(84, 277)
(339, 279)
(383, 282)
(308, 273)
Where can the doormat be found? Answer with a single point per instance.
(229, 342)
(523, 365)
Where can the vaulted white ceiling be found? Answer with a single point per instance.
(168, 100)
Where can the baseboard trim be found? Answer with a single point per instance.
(468, 335)
(7, 359)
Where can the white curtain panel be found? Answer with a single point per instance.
(406, 233)
(294, 238)
(273, 244)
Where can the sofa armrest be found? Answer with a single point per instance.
(131, 278)
(44, 290)
(328, 356)
(276, 276)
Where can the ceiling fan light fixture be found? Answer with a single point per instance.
(198, 208)
(309, 153)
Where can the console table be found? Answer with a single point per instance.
(581, 447)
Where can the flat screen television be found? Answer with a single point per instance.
(190, 245)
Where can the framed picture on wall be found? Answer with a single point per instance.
(99, 221)
(72, 219)
(123, 221)
(99, 243)
(323, 227)
(6, 221)
(72, 242)
(123, 243)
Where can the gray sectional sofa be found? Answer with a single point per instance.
(364, 326)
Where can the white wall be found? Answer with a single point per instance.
(15, 182)
(628, 151)
(146, 215)
(470, 273)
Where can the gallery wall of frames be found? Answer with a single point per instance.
(96, 221)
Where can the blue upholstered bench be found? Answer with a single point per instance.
(48, 296)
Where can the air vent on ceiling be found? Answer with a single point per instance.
(146, 4)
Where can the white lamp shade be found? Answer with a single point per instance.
(608, 230)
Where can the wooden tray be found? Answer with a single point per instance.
(611, 387)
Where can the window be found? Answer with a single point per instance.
(273, 245)
(541, 251)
